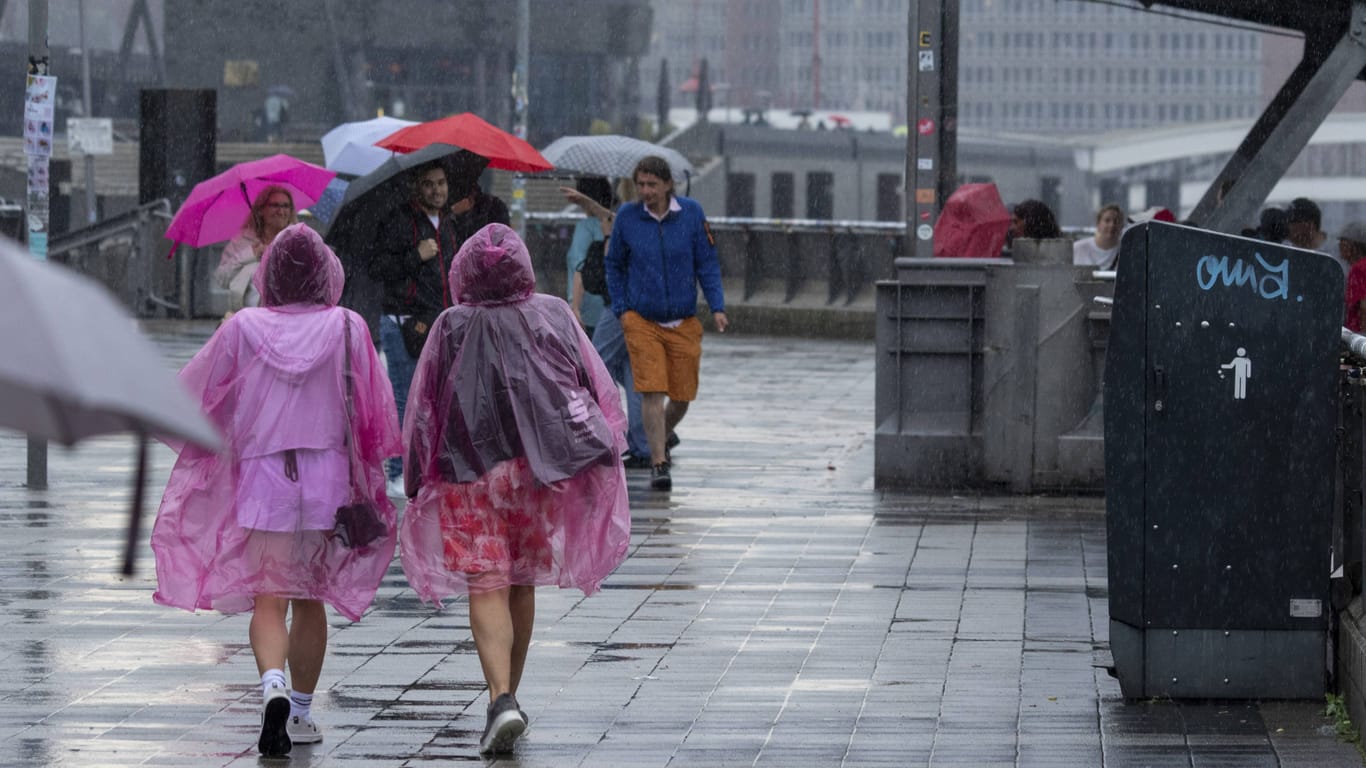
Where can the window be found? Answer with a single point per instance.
(889, 197)
(782, 195)
(820, 195)
(740, 194)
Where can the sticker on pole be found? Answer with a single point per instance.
(924, 126)
(924, 231)
(924, 164)
(926, 61)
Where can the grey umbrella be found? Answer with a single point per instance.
(74, 365)
(612, 156)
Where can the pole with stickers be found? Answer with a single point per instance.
(39, 94)
(932, 119)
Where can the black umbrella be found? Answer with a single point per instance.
(373, 199)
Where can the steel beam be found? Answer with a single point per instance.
(1331, 63)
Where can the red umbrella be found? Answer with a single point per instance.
(469, 131)
(841, 120)
(973, 224)
(217, 206)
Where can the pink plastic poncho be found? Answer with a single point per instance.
(514, 432)
(258, 518)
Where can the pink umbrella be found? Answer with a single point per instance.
(973, 223)
(217, 206)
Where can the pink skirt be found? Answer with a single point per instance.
(268, 500)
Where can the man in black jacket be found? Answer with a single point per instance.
(412, 261)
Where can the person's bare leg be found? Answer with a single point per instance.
(307, 644)
(268, 634)
(673, 413)
(491, 625)
(652, 414)
(522, 602)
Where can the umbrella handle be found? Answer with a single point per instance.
(135, 513)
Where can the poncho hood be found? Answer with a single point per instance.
(299, 268)
(492, 267)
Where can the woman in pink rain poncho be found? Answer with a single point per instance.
(251, 529)
(514, 432)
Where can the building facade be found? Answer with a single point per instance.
(1025, 66)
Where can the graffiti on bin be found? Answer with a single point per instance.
(1266, 280)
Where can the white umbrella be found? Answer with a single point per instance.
(74, 365)
(350, 147)
(612, 155)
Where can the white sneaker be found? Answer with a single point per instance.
(395, 488)
(302, 730)
(274, 741)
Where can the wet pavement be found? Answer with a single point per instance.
(775, 610)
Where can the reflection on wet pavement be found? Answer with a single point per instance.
(775, 610)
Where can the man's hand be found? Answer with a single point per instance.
(426, 249)
(721, 322)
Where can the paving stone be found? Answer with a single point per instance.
(775, 610)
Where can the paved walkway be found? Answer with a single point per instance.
(775, 610)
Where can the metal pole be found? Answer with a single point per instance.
(932, 118)
(37, 214)
(519, 108)
(90, 202)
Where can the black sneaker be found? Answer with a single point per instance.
(505, 723)
(633, 461)
(659, 477)
(274, 741)
(672, 441)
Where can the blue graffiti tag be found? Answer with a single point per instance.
(1274, 284)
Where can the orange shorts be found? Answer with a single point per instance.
(664, 359)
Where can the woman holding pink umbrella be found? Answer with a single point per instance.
(271, 212)
(270, 524)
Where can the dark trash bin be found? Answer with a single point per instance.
(1220, 409)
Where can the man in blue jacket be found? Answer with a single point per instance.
(661, 249)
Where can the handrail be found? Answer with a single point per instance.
(1355, 343)
(129, 221)
(741, 221)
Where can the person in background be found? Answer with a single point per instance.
(1351, 249)
(1303, 222)
(1102, 250)
(296, 388)
(472, 209)
(1034, 220)
(660, 251)
(593, 229)
(271, 212)
(1272, 226)
(607, 337)
(539, 499)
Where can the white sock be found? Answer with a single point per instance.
(300, 704)
(273, 678)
